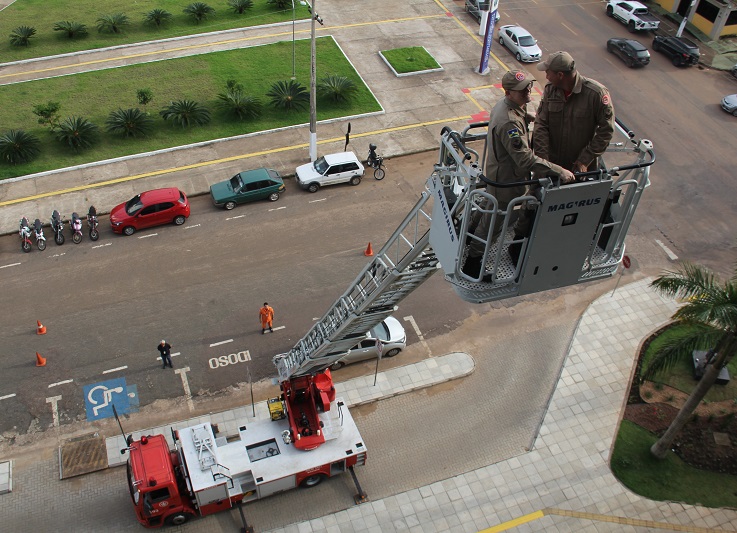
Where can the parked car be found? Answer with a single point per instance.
(330, 169)
(475, 7)
(390, 333)
(150, 208)
(634, 15)
(633, 53)
(734, 71)
(247, 186)
(729, 104)
(681, 51)
(520, 42)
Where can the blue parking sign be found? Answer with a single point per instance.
(100, 397)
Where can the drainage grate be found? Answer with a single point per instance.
(82, 455)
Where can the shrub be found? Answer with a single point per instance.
(157, 17)
(186, 113)
(239, 105)
(48, 113)
(112, 23)
(72, 29)
(337, 88)
(129, 123)
(289, 95)
(21, 35)
(144, 96)
(199, 11)
(240, 6)
(77, 132)
(17, 146)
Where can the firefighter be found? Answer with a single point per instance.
(509, 159)
(575, 119)
(266, 316)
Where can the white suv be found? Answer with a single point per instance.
(330, 169)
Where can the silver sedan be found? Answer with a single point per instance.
(520, 42)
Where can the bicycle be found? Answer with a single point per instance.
(376, 162)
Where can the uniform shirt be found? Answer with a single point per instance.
(510, 157)
(578, 128)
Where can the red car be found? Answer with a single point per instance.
(150, 208)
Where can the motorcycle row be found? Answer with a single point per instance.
(57, 226)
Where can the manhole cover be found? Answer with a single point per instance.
(722, 439)
(82, 455)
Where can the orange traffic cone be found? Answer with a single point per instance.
(40, 361)
(41, 330)
(369, 251)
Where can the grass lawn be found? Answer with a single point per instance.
(669, 479)
(680, 375)
(410, 59)
(94, 95)
(43, 14)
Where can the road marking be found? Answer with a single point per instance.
(195, 226)
(172, 355)
(185, 384)
(315, 201)
(415, 327)
(669, 253)
(54, 400)
(233, 218)
(102, 245)
(231, 359)
(61, 383)
(57, 255)
(7, 396)
(277, 209)
(221, 342)
(280, 327)
(114, 369)
(147, 236)
(10, 265)
(569, 29)
(509, 524)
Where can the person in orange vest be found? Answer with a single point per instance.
(266, 315)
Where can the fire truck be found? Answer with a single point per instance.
(576, 235)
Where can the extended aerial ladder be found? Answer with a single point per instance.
(577, 235)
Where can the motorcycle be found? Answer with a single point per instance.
(376, 162)
(57, 226)
(39, 231)
(76, 224)
(92, 223)
(25, 235)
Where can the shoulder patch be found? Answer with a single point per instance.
(514, 133)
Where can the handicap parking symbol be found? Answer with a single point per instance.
(99, 398)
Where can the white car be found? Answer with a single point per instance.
(729, 104)
(389, 332)
(520, 42)
(330, 169)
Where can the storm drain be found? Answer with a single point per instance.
(82, 455)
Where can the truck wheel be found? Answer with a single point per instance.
(312, 481)
(337, 365)
(631, 27)
(177, 519)
(609, 11)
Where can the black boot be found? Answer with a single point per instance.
(472, 267)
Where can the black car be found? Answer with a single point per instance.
(633, 53)
(681, 51)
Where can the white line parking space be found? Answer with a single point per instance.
(158, 358)
(220, 343)
(415, 327)
(54, 401)
(102, 245)
(235, 217)
(10, 265)
(118, 369)
(185, 384)
(668, 252)
(7, 396)
(61, 383)
(320, 200)
(193, 226)
(278, 208)
(147, 236)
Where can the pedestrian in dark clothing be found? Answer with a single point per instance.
(165, 350)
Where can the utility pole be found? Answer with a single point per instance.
(313, 87)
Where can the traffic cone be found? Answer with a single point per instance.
(41, 330)
(369, 251)
(40, 361)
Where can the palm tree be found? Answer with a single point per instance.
(76, 132)
(112, 23)
(199, 11)
(240, 6)
(157, 17)
(289, 95)
(242, 106)
(186, 113)
(337, 88)
(72, 29)
(17, 146)
(711, 308)
(129, 123)
(21, 35)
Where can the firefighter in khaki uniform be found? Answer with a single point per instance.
(509, 159)
(575, 119)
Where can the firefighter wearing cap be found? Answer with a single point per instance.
(575, 119)
(509, 158)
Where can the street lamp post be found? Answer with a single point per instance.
(313, 87)
(294, 75)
